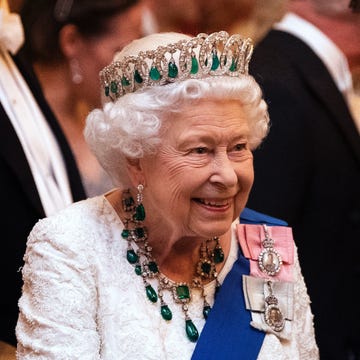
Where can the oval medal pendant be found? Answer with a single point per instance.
(269, 261)
(274, 317)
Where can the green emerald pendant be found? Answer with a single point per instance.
(151, 293)
(172, 70)
(191, 330)
(215, 61)
(153, 267)
(234, 64)
(206, 311)
(125, 233)
(166, 312)
(206, 268)
(131, 256)
(218, 255)
(137, 77)
(114, 87)
(194, 65)
(154, 74)
(182, 292)
(139, 232)
(125, 81)
(138, 270)
(140, 213)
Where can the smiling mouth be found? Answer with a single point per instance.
(213, 203)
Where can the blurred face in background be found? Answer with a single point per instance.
(218, 15)
(175, 15)
(337, 21)
(248, 17)
(94, 53)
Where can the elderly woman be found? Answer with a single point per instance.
(161, 267)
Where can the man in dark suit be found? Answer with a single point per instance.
(21, 200)
(307, 172)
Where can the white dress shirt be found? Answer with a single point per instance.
(39, 144)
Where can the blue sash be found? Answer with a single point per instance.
(249, 216)
(227, 333)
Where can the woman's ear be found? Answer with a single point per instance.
(136, 172)
(70, 41)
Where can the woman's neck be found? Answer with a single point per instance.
(177, 257)
(61, 94)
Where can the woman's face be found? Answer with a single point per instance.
(95, 53)
(200, 179)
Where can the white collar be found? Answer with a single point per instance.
(333, 58)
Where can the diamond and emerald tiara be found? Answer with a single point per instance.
(198, 57)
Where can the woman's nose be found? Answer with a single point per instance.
(223, 171)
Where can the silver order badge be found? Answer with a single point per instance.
(274, 317)
(269, 259)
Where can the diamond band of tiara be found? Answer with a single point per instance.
(198, 57)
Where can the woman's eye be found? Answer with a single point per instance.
(239, 147)
(200, 150)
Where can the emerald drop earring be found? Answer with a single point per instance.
(139, 209)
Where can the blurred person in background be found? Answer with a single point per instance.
(251, 18)
(68, 43)
(176, 15)
(38, 171)
(304, 67)
(342, 27)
